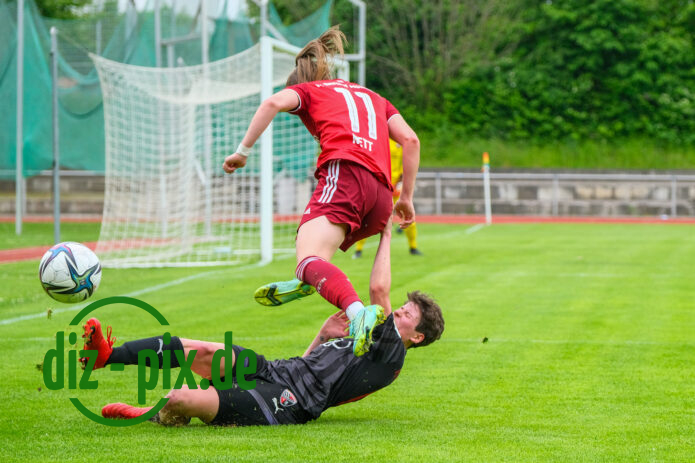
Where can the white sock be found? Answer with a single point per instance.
(353, 309)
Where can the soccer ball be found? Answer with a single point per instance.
(70, 272)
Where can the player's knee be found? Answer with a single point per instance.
(203, 351)
(179, 398)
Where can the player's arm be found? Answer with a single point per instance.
(400, 131)
(336, 326)
(380, 280)
(284, 100)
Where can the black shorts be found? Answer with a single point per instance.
(266, 404)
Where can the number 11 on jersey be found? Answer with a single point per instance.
(355, 119)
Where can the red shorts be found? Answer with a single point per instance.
(349, 194)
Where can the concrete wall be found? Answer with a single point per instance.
(522, 195)
(79, 195)
(560, 196)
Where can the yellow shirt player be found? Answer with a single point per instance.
(396, 174)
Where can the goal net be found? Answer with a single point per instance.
(167, 200)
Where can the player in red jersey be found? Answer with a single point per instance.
(353, 197)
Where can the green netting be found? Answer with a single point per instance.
(305, 30)
(126, 37)
(8, 88)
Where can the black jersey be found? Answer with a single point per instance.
(331, 375)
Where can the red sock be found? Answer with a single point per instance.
(329, 281)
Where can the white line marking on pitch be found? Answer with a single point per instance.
(606, 342)
(9, 321)
(169, 284)
(475, 228)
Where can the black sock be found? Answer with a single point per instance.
(127, 354)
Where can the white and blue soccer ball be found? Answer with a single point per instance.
(70, 272)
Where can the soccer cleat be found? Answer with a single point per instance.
(94, 340)
(357, 255)
(123, 411)
(415, 252)
(362, 327)
(283, 292)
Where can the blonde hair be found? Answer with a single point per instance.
(313, 62)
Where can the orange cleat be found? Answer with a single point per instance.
(123, 411)
(94, 340)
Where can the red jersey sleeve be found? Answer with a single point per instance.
(304, 98)
(390, 110)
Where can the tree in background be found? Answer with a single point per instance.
(417, 48)
(600, 69)
(62, 9)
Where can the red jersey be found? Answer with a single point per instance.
(349, 121)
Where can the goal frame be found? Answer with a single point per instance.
(268, 47)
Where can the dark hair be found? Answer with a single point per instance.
(313, 62)
(431, 319)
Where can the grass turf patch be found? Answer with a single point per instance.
(449, 148)
(589, 354)
(41, 234)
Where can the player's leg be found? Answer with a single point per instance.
(318, 236)
(411, 234)
(396, 196)
(317, 241)
(359, 246)
(363, 320)
(204, 351)
(266, 404)
(183, 404)
(127, 353)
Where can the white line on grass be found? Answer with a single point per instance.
(606, 342)
(373, 242)
(475, 228)
(169, 284)
(9, 321)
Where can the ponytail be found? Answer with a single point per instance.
(314, 61)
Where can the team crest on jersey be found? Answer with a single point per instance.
(287, 399)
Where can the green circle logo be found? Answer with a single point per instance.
(76, 320)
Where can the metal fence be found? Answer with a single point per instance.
(561, 181)
(679, 200)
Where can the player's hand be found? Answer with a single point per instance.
(336, 326)
(233, 162)
(405, 210)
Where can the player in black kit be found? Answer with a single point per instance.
(294, 390)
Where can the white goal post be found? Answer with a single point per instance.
(167, 201)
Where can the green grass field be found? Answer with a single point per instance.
(590, 353)
(448, 147)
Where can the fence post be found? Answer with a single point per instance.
(56, 136)
(556, 192)
(20, 186)
(438, 193)
(674, 199)
(486, 188)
